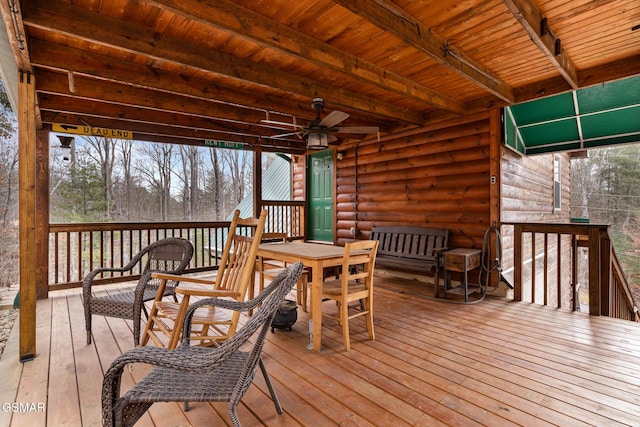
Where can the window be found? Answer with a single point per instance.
(556, 182)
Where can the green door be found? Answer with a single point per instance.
(320, 196)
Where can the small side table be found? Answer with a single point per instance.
(461, 260)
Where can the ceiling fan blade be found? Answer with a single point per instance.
(275, 122)
(357, 129)
(333, 118)
(331, 138)
(285, 135)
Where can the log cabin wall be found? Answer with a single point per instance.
(299, 177)
(435, 177)
(527, 195)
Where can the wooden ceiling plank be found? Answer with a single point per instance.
(229, 16)
(388, 17)
(528, 15)
(624, 68)
(56, 15)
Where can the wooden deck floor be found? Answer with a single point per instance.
(495, 363)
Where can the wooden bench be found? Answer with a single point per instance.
(414, 249)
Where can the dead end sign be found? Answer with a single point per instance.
(87, 130)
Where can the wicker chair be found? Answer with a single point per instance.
(199, 374)
(170, 255)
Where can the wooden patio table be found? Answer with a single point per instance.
(317, 256)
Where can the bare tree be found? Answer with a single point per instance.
(237, 163)
(102, 151)
(126, 149)
(216, 184)
(157, 173)
(9, 259)
(8, 180)
(191, 164)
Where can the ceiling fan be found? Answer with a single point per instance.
(319, 132)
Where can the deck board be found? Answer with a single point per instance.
(494, 363)
(63, 403)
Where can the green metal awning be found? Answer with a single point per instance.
(597, 116)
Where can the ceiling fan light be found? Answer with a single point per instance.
(317, 141)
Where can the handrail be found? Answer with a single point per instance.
(622, 302)
(548, 244)
(76, 249)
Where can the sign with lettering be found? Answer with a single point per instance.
(224, 144)
(91, 131)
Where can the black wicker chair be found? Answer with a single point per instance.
(199, 374)
(170, 255)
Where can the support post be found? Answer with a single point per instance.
(27, 215)
(495, 185)
(257, 183)
(517, 263)
(595, 307)
(42, 213)
(606, 293)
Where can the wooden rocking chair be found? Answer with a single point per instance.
(235, 274)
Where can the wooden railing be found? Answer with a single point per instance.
(77, 249)
(285, 217)
(547, 248)
(621, 302)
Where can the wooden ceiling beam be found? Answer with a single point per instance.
(57, 115)
(48, 55)
(245, 23)
(16, 34)
(93, 108)
(55, 15)
(387, 16)
(531, 19)
(86, 88)
(165, 133)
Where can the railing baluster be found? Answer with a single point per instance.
(559, 271)
(67, 273)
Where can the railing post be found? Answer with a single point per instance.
(606, 291)
(517, 263)
(559, 272)
(595, 284)
(533, 267)
(574, 273)
(545, 270)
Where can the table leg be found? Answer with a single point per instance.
(316, 305)
(447, 281)
(466, 282)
